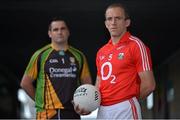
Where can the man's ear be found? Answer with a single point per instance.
(49, 33)
(128, 22)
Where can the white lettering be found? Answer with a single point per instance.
(62, 72)
(109, 65)
(53, 61)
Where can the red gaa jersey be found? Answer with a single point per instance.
(118, 66)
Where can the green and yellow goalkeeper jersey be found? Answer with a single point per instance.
(57, 75)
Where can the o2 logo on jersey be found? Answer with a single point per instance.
(109, 75)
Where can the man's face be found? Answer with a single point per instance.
(58, 32)
(116, 22)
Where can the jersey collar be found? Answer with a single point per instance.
(57, 49)
(123, 39)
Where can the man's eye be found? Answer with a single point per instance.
(63, 28)
(109, 19)
(56, 29)
(119, 18)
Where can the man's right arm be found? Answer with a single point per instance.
(27, 85)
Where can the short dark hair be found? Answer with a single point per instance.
(57, 19)
(120, 5)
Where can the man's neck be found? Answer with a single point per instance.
(63, 46)
(116, 39)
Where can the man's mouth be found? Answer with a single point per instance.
(113, 29)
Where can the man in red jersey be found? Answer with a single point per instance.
(124, 69)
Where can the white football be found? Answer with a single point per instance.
(87, 97)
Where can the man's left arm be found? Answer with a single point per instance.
(142, 59)
(147, 83)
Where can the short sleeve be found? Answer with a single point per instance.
(85, 69)
(32, 69)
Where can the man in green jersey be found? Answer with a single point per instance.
(57, 70)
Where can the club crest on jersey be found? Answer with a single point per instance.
(121, 56)
(102, 57)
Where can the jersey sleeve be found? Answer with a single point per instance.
(141, 56)
(32, 67)
(85, 69)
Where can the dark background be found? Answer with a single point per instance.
(24, 24)
(24, 27)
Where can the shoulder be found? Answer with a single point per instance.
(136, 42)
(41, 50)
(102, 48)
(75, 51)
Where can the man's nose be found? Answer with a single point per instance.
(114, 20)
(59, 31)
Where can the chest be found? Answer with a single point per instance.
(116, 58)
(61, 63)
